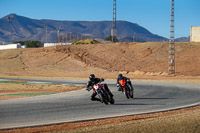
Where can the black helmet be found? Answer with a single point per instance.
(120, 76)
(92, 77)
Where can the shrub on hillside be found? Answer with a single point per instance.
(87, 41)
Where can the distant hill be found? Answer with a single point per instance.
(33, 29)
(183, 39)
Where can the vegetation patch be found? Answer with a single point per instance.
(30, 94)
(14, 82)
(87, 41)
(15, 89)
(30, 44)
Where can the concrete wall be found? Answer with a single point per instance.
(195, 34)
(10, 46)
(55, 44)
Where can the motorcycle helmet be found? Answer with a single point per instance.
(92, 77)
(120, 76)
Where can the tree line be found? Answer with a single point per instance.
(30, 44)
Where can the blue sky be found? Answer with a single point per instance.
(153, 15)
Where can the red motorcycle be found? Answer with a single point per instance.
(126, 88)
(103, 94)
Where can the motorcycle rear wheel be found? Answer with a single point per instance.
(132, 95)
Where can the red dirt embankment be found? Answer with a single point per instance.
(105, 60)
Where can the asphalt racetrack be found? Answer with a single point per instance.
(150, 96)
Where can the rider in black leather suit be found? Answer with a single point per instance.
(94, 81)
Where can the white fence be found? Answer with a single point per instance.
(55, 44)
(10, 46)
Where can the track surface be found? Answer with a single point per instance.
(150, 96)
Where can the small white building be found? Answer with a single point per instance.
(55, 44)
(195, 34)
(10, 46)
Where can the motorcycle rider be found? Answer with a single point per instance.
(120, 77)
(94, 81)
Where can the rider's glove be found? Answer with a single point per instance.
(117, 85)
(102, 79)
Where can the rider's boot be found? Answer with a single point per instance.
(93, 97)
(119, 89)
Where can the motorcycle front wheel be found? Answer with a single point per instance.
(112, 101)
(104, 99)
(127, 93)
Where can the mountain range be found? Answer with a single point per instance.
(24, 28)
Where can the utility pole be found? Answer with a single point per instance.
(67, 37)
(58, 34)
(171, 41)
(10, 18)
(45, 27)
(114, 23)
(133, 36)
(70, 39)
(77, 37)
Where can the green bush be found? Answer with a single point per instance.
(30, 44)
